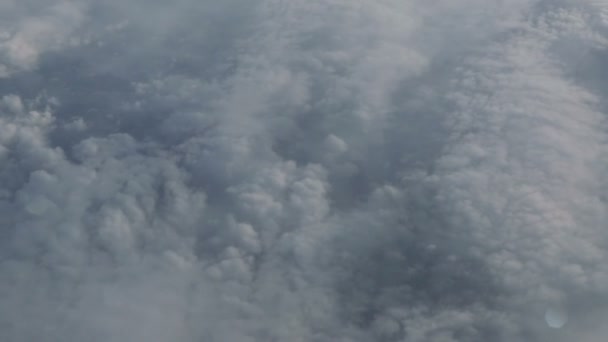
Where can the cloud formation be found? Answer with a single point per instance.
(323, 170)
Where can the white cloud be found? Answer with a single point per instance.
(302, 170)
(26, 38)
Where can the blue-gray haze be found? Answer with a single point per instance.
(303, 170)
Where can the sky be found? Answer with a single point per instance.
(303, 170)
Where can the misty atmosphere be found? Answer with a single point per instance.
(303, 171)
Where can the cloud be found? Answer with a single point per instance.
(27, 36)
(302, 170)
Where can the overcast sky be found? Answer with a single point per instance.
(303, 170)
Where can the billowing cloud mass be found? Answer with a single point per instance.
(303, 170)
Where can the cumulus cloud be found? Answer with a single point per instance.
(320, 170)
(28, 34)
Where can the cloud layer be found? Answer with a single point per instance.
(323, 170)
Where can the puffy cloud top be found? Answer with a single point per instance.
(323, 170)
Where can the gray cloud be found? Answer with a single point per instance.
(302, 171)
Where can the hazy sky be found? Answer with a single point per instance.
(303, 170)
